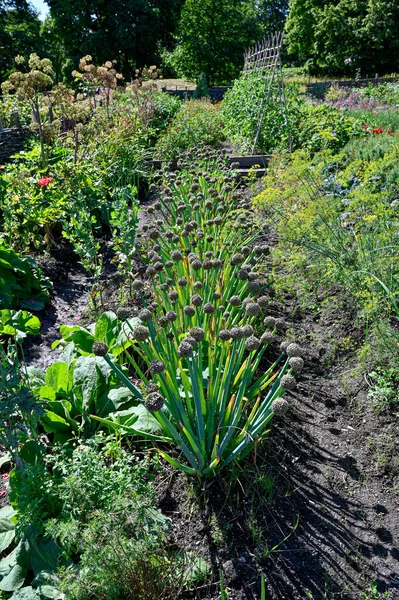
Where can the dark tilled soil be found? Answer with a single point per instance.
(317, 511)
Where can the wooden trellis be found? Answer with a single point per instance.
(265, 57)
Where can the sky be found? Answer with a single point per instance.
(41, 7)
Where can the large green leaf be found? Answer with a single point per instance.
(7, 531)
(53, 422)
(105, 330)
(26, 593)
(57, 376)
(138, 417)
(12, 570)
(91, 381)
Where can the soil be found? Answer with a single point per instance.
(316, 508)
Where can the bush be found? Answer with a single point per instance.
(197, 122)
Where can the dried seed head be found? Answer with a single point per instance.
(197, 333)
(150, 271)
(182, 281)
(169, 281)
(242, 275)
(145, 314)
(252, 309)
(184, 350)
(177, 255)
(171, 316)
(216, 296)
(122, 313)
(263, 301)
(296, 363)
(284, 345)
(196, 265)
(154, 402)
(209, 308)
(280, 407)
(208, 254)
(163, 287)
(246, 250)
(294, 350)
(157, 366)
(237, 258)
(252, 276)
(140, 333)
(196, 300)
(236, 333)
(100, 349)
(280, 324)
(173, 296)
(189, 311)
(267, 337)
(226, 315)
(252, 343)
(288, 382)
(247, 330)
(207, 265)
(190, 340)
(198, 285)
(168, 264)
(235, 301)
(258, 250)
(269, 322)
(254, 286)
(162, 321)
(137, 284)
(225, 335)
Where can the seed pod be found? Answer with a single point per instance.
(269, 322)
(122, 313)
(252, 343)
(177, 255)
(173, 296)
(162, 321)
(182, 281)
(190, 340)
(280, 407)
(267, 337)
(100, 349)
(196, 300)
(235, 301)
(280, 324)
(252, 309)
(196, 265)
(169, 281)
(208, 254)
(189, 311)
(242, 275)
(171, 316)
(246, 250)
(254, 286)
(198, 285)
(216, 296)
(137, 284)
(263, 301)
(157, 366)
(150, 271)
(247, 330)
(184, 349)
(145, 314)
(168, 264)
(288, 382)
(207, 265)
(236, 333)
(294, 350)
(296, 363)
(197, 333)
(284, 345)
(237, 258)
(154, 402)
(140, 333)
(226, 315)
(209, 308)
(225, 335)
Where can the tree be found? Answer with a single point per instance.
(344, 36)
(212, 37)
(19, 32)
(128, 31)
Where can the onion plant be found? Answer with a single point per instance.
(203, 378)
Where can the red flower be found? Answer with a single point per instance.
(364, 105)
(365, 127)
(44, 181)
(378, 130)
(389, 132)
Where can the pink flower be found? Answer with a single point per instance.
(5, 475)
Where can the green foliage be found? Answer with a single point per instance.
(21, 282)
(344, 36)
(197, 122)
(198, 344)
(242, 109)
(19, 411)
(18, 324)
(383, 392)
(212, 37)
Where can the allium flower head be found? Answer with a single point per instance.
(190, 340)
(145, 314)
(196, 265)
(252, 343)
(294, 350)
(225, 335)
(216, 296)
(209, 308)
(198, 285)
(263, 301)
(236, 333)
(196, 300)
(269, 322)
(296, 363)
(237, 258)
(288, 382)
(157, 366)
(173, 296)
(140, 333)
(154, 402)
(137, 284)
(254, 286)
(184, 349)
(171, 316)
(280, 324)
(197, 333)
(235, 300)
(252, 309)
(189, 311)
(247, 330)
(182, 281)
(267, 337)
(177, 255)
(100, 349)
(280, 407)
(122, 313)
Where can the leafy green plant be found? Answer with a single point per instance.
(383, 392)
(18, 324)
(22, 284)
(211, 398)
(197, 122)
